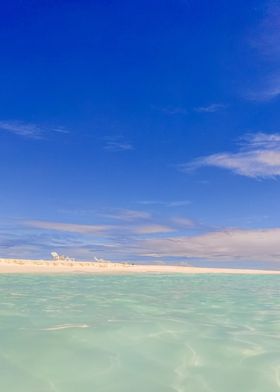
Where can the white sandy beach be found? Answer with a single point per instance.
(47, 266)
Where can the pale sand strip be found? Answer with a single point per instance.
(45, 266)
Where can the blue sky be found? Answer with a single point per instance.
(146, 131)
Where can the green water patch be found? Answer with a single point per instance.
(157, 333)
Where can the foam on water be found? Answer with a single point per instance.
(58, 327)
(195, 333)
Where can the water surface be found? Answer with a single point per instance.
(159, 333)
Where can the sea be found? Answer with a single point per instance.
(139, 333)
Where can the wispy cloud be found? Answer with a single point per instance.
(232, 244)
(267, 89)
(258, 157)
(212, 108)
(184, 222)
(178, 203)
(68, 227)
(117, 144)
(153, 229)
(28, 130)
(171, 110)
(265, 42)
(128, 215)
(174, 203)
(266, 38)
(128, 229)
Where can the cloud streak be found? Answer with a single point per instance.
(172, 204)
(128, 215)
(115, 145)
(68, 227)
(212, 108)
(184, 222)
(115, 231)
(27, 130)
(258, 157)
(153, 229)
(169, 110)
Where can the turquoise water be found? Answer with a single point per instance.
(158, 333)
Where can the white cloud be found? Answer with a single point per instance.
(258, 157)
(233, 244)
(261, 140)
(212, 108)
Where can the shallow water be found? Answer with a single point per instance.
(192, 333)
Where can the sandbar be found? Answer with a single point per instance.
(94, 267)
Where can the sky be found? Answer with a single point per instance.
(143, 131)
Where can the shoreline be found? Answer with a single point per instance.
(9, 266)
